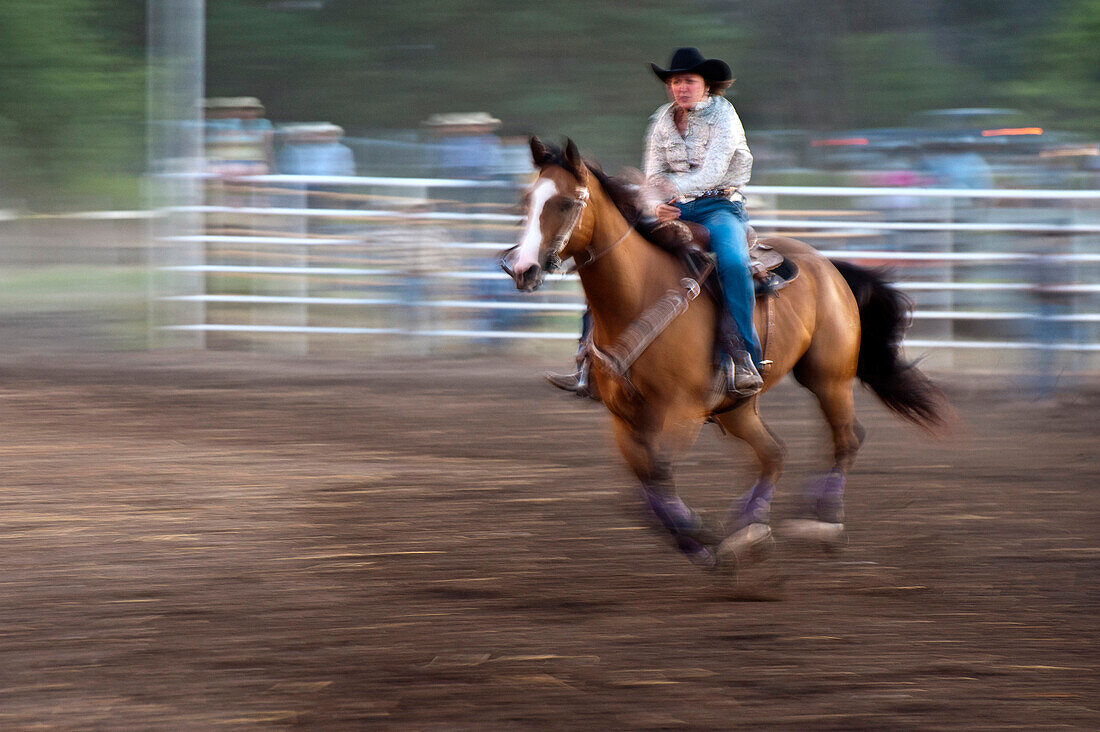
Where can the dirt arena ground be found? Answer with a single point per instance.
(225, 541)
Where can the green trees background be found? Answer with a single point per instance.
(72, 71)
(71, 100)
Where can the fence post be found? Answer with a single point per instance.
(174, 159)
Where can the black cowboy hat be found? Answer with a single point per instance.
(690, 61)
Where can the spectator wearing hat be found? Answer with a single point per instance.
(468, 148)
(315, 149)
(467, 143)
(238, 137)
(238, 143)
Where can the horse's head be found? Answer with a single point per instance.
(554, 208)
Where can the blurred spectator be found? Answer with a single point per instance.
(315, 149)
(415, 249)
(1052, 305)
(467, 143)
(952, 165)
(239, 141)
(468, 148)
(238, 137)
(514, 160)
(896, 175)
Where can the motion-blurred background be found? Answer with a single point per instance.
(320, 176)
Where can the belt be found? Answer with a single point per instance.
(727, 193)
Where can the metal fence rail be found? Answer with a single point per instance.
(287, 253)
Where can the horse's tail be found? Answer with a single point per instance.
(884, 314)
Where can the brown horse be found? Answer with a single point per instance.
(812, 329)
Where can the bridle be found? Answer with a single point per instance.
(561, 239)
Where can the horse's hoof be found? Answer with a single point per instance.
(707, 534)
(749, 545)
(811, 531)
(701, 557)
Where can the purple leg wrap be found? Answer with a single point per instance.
(825, 496)
(682, 523)
(696, 552)
(671, 511)
(830, 484)
(754, 507)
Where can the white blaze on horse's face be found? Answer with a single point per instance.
(529, 252)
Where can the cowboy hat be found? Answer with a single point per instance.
(232, 103)
(689, 61)
(462, 119)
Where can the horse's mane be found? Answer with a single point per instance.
(622, 194)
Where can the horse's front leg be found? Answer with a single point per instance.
(650, 458)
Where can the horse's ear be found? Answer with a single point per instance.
(576, 164)
(539, 152)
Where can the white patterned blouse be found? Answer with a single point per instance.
(711, 155)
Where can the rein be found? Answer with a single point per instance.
(594, 255)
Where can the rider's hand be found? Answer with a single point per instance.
(666, 212)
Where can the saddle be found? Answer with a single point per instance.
(771, 270)
(771, 273)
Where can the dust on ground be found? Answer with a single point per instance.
(206, 540)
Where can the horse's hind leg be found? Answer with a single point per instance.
(749, 517)
(825, 494)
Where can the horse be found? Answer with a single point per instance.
(834, 323)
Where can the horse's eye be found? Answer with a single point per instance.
(565, 205)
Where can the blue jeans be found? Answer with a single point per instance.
(728, 223)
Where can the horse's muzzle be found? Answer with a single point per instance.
(528, 279)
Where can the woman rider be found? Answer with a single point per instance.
(697, 163)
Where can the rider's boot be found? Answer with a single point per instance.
(742, 377)
(580, 381)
